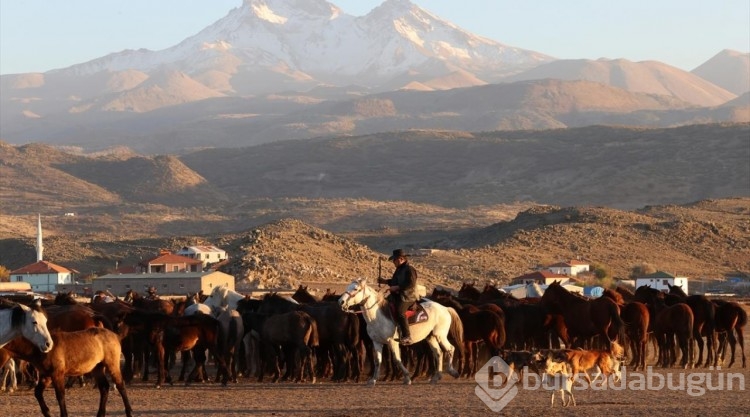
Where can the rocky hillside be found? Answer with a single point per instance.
(709, 239)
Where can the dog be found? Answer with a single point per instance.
(518, 360)
(604, 362)
(559, 375)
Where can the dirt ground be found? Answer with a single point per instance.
(448, 398)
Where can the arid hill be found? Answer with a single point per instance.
(708, 239)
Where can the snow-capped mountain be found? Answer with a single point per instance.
(313, 42)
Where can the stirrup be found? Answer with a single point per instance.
(406, 341)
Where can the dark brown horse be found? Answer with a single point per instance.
(149, 304)
(469, 291)
(480, 325)
(584, 318)
(704, 314)
(637, 319)
(667, 323)
(303, 296)
(731, 319)
(93, 350)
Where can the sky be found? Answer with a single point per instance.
(40, 35)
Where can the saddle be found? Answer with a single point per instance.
(415, 314)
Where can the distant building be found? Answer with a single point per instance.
(43, 276)
(169, 262)
(206, 253)
(174, 283)
(541, 277)
(570, 268)
(661, 280)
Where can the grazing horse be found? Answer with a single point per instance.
(584, 318)
(382, 328)
(93, 350)
(30, 322)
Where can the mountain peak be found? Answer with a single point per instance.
(277, 11)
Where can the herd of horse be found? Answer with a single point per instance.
(341, 337)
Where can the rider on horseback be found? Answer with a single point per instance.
(403, 287)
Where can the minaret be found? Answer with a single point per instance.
(39, 246)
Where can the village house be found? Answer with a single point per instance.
(207, 254)
(169, 262)
(542, 277)
(661, 280)
(570, 268)
(43, 276)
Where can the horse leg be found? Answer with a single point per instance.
(103, 385)
(58, 383)
(396, 355)
(377, 359)
(43, 383)
(741, 340)
(733, 342)
(449, 350)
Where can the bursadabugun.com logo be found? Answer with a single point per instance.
(497, 385)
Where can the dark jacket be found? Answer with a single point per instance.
(405, 277)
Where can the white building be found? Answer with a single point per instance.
(570, 268)
(43, 276)
(207, 254)
(661, 280)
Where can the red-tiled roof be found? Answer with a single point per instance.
(538, 276)
(171, 258)
(42, 267)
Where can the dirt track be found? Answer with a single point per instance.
(448, 398)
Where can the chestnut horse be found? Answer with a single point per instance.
(94, 350)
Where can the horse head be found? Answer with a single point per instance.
(355, 294)
(33, 325)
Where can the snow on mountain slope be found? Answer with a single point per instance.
(315, 37)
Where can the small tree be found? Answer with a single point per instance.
(4, 274)
(642, 269)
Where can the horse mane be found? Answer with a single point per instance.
(614, 295)
(17, 316)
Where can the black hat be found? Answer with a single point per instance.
(397, 253)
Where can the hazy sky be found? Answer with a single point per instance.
(39, 35)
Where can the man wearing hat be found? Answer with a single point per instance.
(403, 286)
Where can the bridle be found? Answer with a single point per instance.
(364, 299)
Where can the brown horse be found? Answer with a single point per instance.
(149, 304)
(668, 323)
(93, 350)
(731, 319)
(584, 318)
(295, 333)
(480, 325)
(637, 319)
(704, 313)
(303, 296)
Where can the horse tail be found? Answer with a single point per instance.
(741, 319)
(456, 331)
(619, 325)
(312, 335)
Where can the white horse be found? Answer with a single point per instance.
(222, 296)
(20, 320)
(533, 290)
(382, 329)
